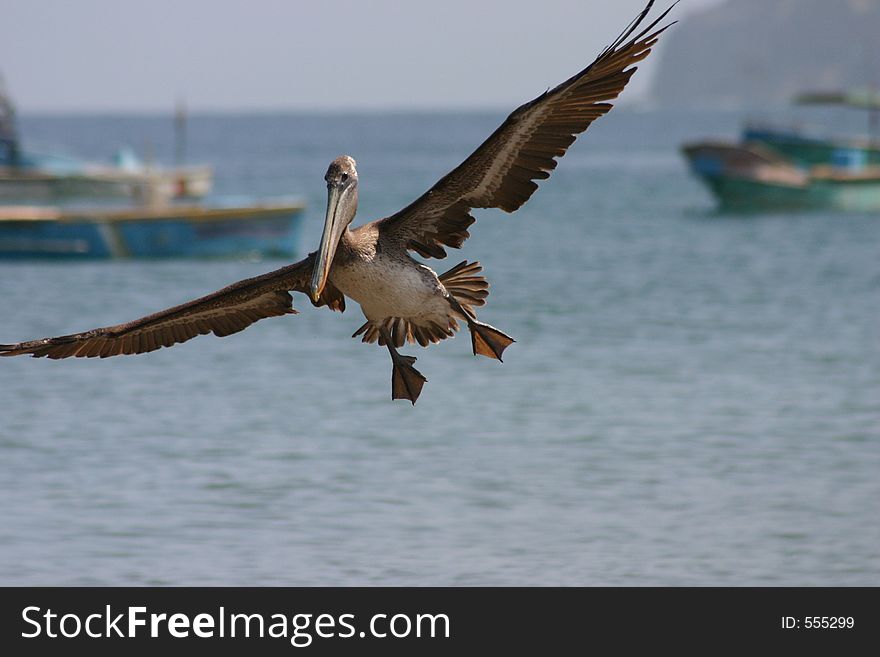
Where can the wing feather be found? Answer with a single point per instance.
(502, 172)
(222, 313)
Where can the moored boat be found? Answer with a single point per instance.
(149, 232)
(753, 178)
(805, 149)
(772, 169)
(36, 183)
(32, 177)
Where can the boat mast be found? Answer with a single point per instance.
(180, 133)
(9, 147)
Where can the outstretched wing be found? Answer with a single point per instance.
(222, 313)
(502, 171)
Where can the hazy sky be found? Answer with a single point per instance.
(63, 55)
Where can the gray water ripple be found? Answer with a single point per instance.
(692, 398)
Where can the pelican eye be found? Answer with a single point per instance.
(344, 177)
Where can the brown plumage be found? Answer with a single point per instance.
(222, 313)
(402, 299)
(501, 173)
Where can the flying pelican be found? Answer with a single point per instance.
(402, 299)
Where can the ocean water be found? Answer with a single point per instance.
(693, 399)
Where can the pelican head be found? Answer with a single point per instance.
(342, 184)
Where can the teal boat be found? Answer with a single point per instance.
(149, 232)
(807, 150)
(772, 169)
(754, 178)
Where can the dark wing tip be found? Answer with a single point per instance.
(655, 22)
(633, 26)
(629, 29)
(35, 348)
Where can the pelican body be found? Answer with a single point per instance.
(402, 299)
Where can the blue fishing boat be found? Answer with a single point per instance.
(149, 232)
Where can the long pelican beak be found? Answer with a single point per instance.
(334, 225)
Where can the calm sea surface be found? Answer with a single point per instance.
(693, 399)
